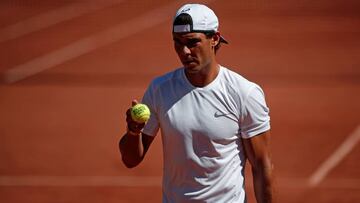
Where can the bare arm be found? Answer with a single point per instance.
(133, 148)
(258, 153)
(134, 144)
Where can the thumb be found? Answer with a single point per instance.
(134, 102)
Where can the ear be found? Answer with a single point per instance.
(216, 39)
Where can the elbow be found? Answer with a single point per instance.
(129, 157)
(129, 161)
(130, 164)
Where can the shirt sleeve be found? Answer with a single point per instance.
(152, 126)
(255, 114)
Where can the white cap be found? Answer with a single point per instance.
(203, 19)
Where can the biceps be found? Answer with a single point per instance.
(257, 150)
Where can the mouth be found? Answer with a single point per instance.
(189, 62)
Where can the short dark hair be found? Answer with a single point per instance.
(210, 35)
(183, 19)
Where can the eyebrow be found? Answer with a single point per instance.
(194, 39)
(197, 39)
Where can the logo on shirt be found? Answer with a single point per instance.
(220, 114)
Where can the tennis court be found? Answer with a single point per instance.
(69, 70)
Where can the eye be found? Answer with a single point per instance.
(176, 41)
(192, 42)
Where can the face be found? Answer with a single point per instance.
(195, 50)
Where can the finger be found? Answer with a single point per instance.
(135, 127)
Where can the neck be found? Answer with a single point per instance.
(205, 76)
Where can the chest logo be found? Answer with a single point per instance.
(220, 114)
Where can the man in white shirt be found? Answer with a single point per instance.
(211, 119)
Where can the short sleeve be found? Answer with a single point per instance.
(152, 126)
(255, 117)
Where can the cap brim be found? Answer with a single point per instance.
(223, 40)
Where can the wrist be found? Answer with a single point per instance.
(133, 133)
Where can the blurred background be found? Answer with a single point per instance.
(70, 68)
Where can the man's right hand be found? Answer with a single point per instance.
(133, 128)
(134, 145)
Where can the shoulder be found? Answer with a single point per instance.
(160, 87)
(160, 80)
(241, 85)
(164, 80)
(243, 90)
(235, 78)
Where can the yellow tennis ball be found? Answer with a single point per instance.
(140, 113)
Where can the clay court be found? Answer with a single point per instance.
(69, 70)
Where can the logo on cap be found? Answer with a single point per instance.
(185, 10)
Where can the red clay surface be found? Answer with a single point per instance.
(66, 121)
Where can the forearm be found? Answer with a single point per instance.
(131, 149)
(263, 184)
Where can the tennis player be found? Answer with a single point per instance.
(212, 120)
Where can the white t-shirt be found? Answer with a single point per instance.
(201, 128)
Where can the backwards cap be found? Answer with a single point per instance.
(201, 19)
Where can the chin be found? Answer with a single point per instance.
(191, 68)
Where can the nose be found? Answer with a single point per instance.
(183, 50)
(186, 50)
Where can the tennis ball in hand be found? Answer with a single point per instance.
(140, 113)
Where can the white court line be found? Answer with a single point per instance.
(52, 17)
(341, 152)
(88, 181)
(92, 42)
(342, 183)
